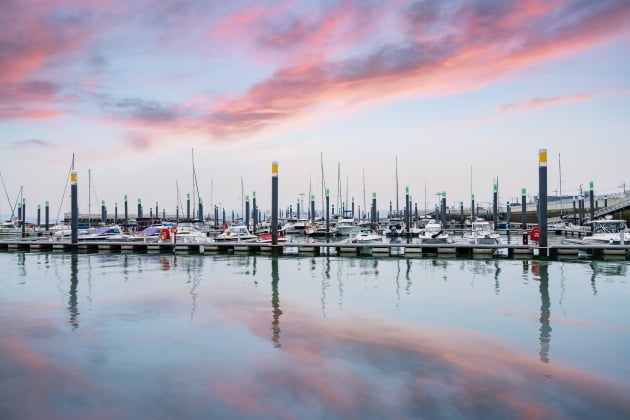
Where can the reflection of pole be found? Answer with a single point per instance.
(545, 313)
(72, 302)
(275, 303)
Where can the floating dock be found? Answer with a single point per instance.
(340, 248)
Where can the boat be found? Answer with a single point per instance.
(482, 232)
(434, 233)
(347, 227)
(295, 226)
(367, 236)
(319, 229)
(13, 228)
(148, 234)
(608, 231)
(106, 233)
(267, 237)
(395, 227)
(237, 232)
(187, 233)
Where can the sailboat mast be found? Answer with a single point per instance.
(364, 204)
(323, 182)
(397, 210)
(192, 153)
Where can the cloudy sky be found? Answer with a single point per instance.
(450, 95)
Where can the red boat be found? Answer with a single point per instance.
(266, 238)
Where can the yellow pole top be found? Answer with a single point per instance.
(274, 167)
(542, 157)
(73, 177)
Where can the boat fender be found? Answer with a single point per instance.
(165, 235)
(174, 230)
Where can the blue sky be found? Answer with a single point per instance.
(445, 88)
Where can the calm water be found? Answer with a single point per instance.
(123, 336)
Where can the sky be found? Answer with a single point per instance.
(361, 96)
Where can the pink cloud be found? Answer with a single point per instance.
(557, 100)
(479, 45)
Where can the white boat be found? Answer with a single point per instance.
(433, 233)
(366, 236)
(608, 231)
(482, 232)
(148, 234)
(395, 227)
(236, 232)
(319, 229)
(187, 233)
(13, 228)
(347, 227)
(106, 233)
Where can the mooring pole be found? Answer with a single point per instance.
(592, 200)
(443, 210)
(139, 208)
(188, 206)
(495, 206)
(126, 212)
(255, 210)
(103, 212)
(274, 203)
(39, 215)
(247, 211)
(23, 217)
(327, 212)
(201, 210)
(116, 212)
(312, 209)
(74, 200)
(542, 198)
(472, 208)
(47, 215)
(374, 208)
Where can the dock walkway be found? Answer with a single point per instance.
(340, 248)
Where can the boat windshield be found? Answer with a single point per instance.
(609, 227)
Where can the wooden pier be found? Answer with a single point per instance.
(339, 248)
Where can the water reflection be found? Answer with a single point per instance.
(73, 309)
(275, 303)
(443, 351)
(540, 269)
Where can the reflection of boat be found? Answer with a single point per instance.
(236, 232)
(482, 232)
(434, 234)
(266, 238)
(607, 231)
